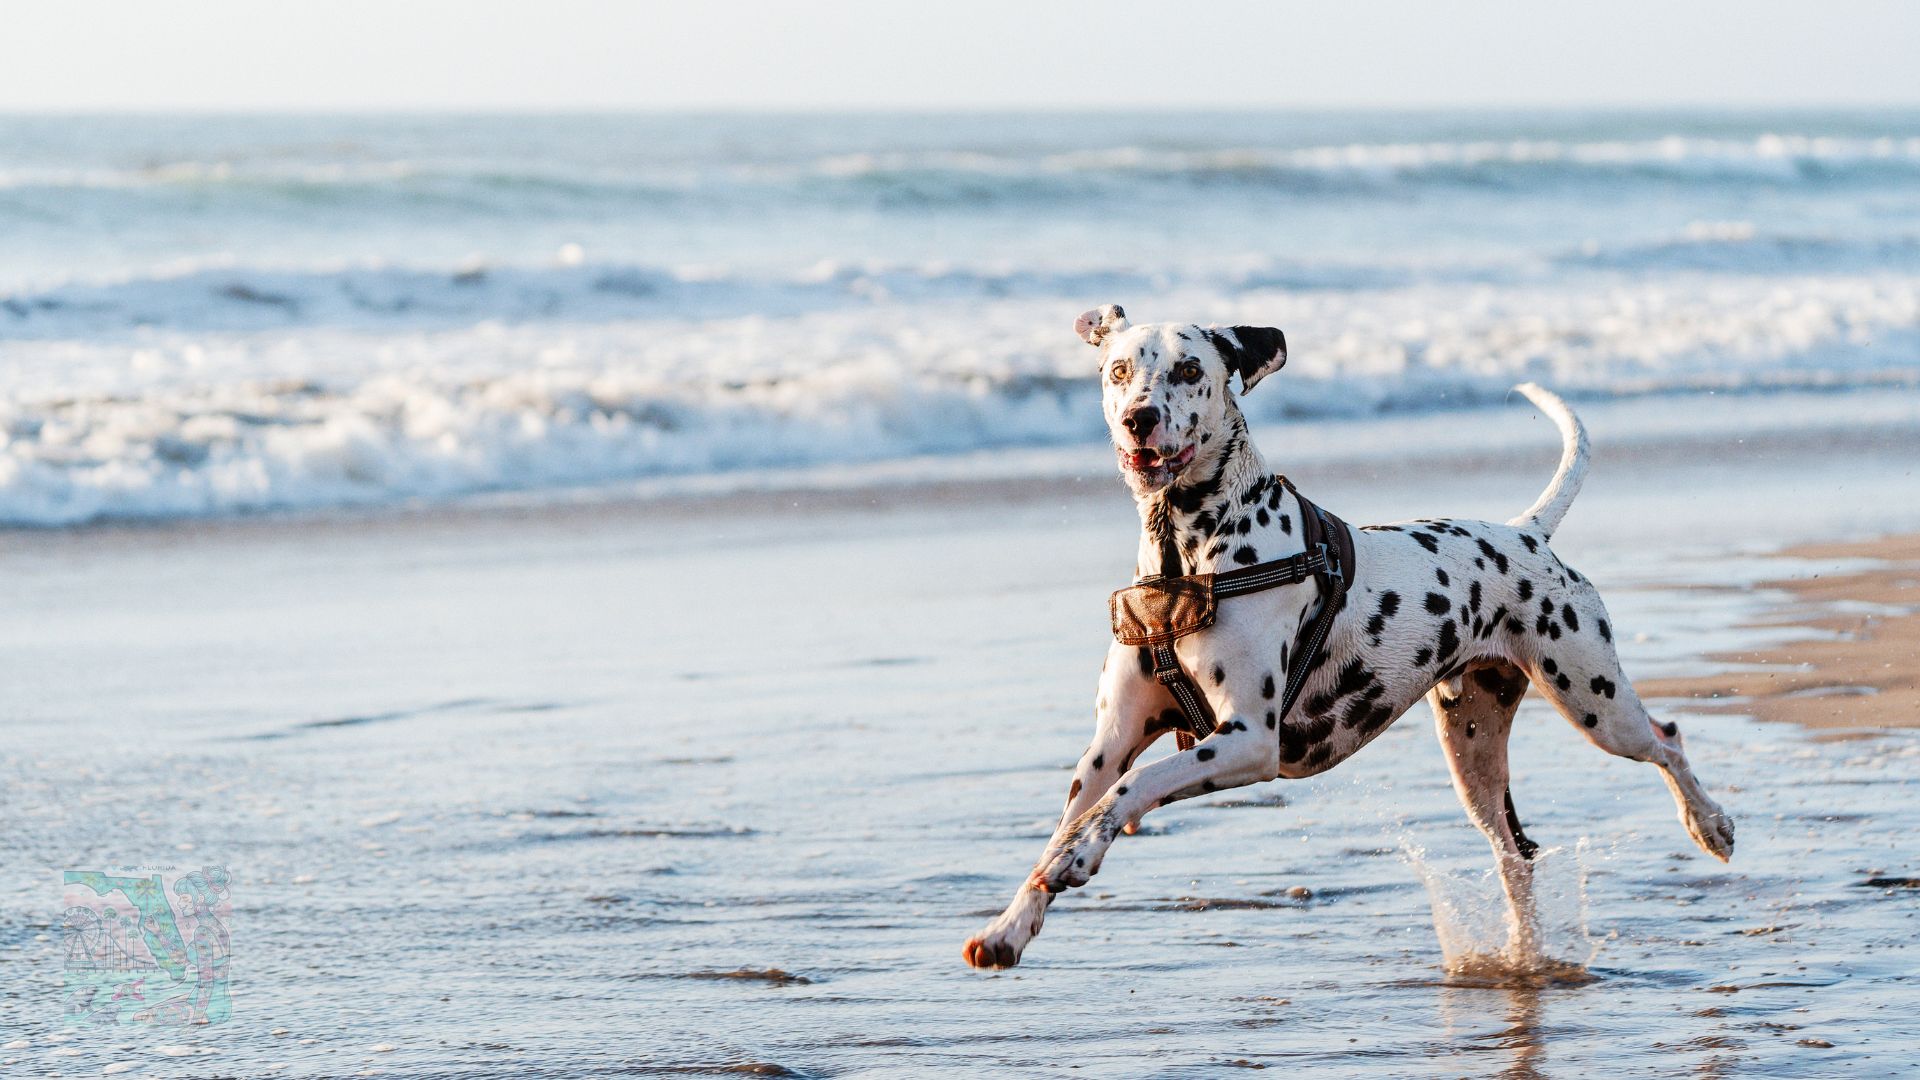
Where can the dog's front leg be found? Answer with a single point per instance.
(1236, 753)
(1132, 710)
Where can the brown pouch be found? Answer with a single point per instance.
(1158, 610)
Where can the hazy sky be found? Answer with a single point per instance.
(917, 54)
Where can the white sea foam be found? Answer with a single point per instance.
(189, 423)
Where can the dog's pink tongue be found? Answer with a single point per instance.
(1142, 459)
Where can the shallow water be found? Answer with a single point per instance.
(606, 793)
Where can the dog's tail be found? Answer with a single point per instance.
(1552, 504)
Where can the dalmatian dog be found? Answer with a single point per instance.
(1467, 614)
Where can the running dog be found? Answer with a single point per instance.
(1464, 613)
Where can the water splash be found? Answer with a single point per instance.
(1477, 932)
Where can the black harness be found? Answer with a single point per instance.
(1156, 611)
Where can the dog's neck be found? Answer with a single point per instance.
(1194, 525)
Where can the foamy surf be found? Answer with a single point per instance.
(196, 422)
(212, 316)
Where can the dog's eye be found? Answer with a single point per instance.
(1188, 371)
(1120, 372)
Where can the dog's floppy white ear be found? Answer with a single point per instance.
(1094, 326)
(1255, 352)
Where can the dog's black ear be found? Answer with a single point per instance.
(1095, 326)
(1254, 352)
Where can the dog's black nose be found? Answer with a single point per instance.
(1141, 422)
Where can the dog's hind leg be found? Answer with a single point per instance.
(1132, 711)
(1473, 716)
(1577, 670)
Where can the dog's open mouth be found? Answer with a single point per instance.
(1148, 459)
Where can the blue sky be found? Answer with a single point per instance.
(933, 54)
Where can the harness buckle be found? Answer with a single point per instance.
(1331, 563)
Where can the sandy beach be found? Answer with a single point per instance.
(728, 769)
(1859, 604)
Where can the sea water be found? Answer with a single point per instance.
(209, 315)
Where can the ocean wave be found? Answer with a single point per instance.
(192, 424)
(239, 299)
(223, 298)
(968, 177)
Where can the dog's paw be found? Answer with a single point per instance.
(1711, 828)
(995, 948)
(1000, 944)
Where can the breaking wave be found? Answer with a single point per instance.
(184, 423)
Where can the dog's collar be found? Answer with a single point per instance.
(1156, 611)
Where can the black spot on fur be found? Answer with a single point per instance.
(1491, 552)
(1219, 675)
(1493, 620)
(1603, 685)
(1590, 720)
(1420, 658)
(1170, 720)
(1514, 627)
(1449, 641)
(1473, 597)
(1670, 728)
(1606, 632)
(1099, 760)
(1286, 524)
(1263, 518)
(1438, 604)
(1266, 686)
(1532, 544)
(1205, 753)
(1526, 589)
(1563, 682)
(1427, 542)
(1567, 616)
(1121, 790)
(1293, 742)
(1378, 622)
(1441, 576)
(1550, 666)
(1245, 555)
(1271, 720)
(1506, 684)
(1353, 678)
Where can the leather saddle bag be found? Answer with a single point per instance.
(1159, 610)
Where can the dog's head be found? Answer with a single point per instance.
(1165, 395)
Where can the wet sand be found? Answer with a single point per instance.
(707, 787)
(1858, 667)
